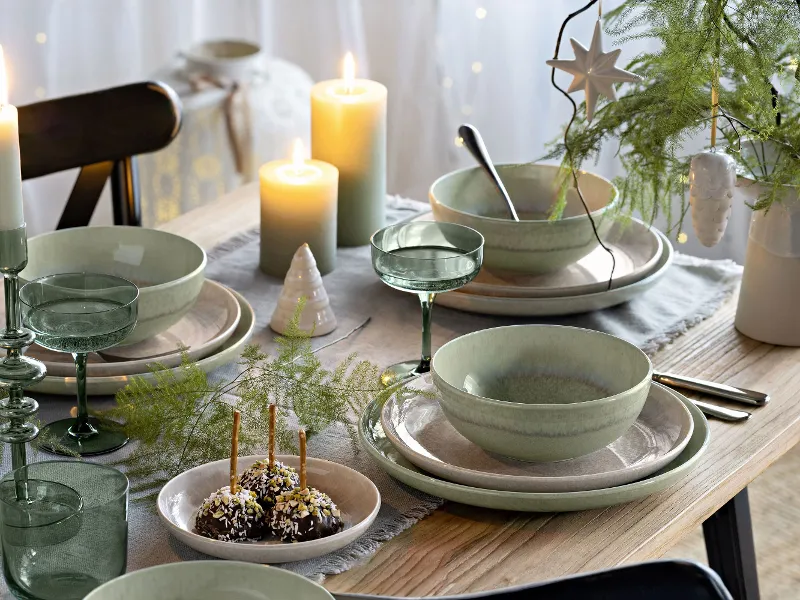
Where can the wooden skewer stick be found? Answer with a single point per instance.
(272, 414)
(302, 459)
(234, 449)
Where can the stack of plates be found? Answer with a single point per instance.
(643, 254)
(413, 441)
(213, 332)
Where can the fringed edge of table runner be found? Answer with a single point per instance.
(656, 343)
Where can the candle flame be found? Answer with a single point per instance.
(298, 154)
(3, 79)
(349, 71)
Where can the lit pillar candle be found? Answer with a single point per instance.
(348, 130)
(298, 206)
(11, 216)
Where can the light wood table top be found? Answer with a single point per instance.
(461, 549)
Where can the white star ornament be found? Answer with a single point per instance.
(594, 70)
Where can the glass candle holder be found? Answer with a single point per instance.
(69, 535)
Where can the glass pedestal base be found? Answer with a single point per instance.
(403, 371)
(102, 442)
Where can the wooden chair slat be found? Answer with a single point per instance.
(108, 125)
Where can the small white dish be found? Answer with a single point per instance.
(562, 305)
(636, 249)
(420, 431)
(208, 324)
(356, 496)
(210, 580)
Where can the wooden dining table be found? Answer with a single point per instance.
(461, 549)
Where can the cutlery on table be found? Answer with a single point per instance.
(720, 412)
(721, 390)
(474, 143)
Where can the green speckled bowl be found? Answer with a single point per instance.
(533, 245)
(541, 392)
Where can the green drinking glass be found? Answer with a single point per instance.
(425, 258)
(80, 313)
(68, 533)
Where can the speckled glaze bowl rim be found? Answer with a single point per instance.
(123, 579)
(144, 288)
(595, 213)
(493, 402)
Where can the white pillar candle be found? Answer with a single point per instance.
(298, 206)
(348, 130)
(11, 216)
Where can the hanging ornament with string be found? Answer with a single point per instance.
(593, 70)
(712, 179)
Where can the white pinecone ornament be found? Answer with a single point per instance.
(712, 179)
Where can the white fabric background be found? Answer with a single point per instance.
(415, 47)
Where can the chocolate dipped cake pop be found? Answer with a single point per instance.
(268, 478)
(304, 513)
(231, 517)
(231, 514)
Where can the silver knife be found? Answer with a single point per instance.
(720, 412)
(722, 390)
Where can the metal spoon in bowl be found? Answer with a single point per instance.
(474, 143)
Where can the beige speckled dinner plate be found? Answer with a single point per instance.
(208, 324)
(380, 448)
(562, 305)
(636, 249)
(421, 433)
(229, 352)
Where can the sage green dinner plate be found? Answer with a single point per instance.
(381, 449)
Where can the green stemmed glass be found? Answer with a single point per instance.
(80, 313)
(425, 258)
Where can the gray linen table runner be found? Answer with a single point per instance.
(691, 291)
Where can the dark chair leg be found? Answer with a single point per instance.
(729, 545)
(125, 192)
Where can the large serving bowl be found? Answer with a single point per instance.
(541, 392)
(168, 268)
(534, 244)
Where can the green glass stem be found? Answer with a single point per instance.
(426, 300)
(81, 428)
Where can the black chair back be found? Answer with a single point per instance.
(100, 132)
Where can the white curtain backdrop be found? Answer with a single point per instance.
(444, 61)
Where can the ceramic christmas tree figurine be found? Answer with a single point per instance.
(304, 280)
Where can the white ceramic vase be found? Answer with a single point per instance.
(304, 280)
(768, 302)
